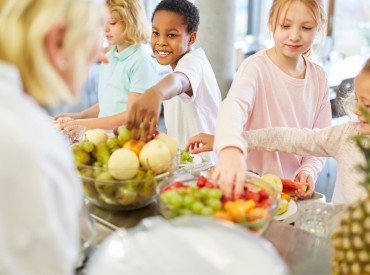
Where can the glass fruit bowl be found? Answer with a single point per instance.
(200, 197)
(113, 194)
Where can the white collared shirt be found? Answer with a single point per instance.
(40, 194)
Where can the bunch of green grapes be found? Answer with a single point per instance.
(185, 157)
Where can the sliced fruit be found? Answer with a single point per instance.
(222, 215)
(285, 196)
(256, 214)
(274, 180)
(289, 186)
(250, 195)
(283, 207)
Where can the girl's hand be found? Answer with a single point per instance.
(70, 125)
(230, 172)
(66, 117)
(305, 178)
(200, 143)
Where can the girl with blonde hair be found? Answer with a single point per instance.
(46, 49)
(332, 141)
(130, 71)
(279, 86)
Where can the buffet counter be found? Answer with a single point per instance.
(304, 253)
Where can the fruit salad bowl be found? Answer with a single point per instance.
(107, 192)
(201, 197)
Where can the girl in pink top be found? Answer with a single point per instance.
(336, 141)
(333, 142)
(275, 87)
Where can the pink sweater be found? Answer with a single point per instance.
(329, 142)
(263, 96)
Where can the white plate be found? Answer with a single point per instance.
(251, 174)
(185, 245)
(292, 209)
(196, 160)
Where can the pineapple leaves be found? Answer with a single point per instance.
(363, 142)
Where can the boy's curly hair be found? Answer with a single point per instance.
(184, 8)
(366, 67)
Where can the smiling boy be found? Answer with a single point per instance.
(190, 94)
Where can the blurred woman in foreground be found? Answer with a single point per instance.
(46, 49)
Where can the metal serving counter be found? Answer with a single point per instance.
(303, 252)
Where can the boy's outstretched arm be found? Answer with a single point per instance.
(147, 108)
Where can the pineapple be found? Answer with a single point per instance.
(351, 241)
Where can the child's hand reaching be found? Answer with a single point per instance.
(66, 117)
(144, 110)
(230, 172)
(87, 124)
(200, 143)
(61, 119)
(305, 178)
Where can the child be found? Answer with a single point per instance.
(275, 87)
(190, 93)
(131, 69)
(41, 197)
(333, 142)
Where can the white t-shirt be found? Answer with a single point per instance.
(186, 116)
(40, 196)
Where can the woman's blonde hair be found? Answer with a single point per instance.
(132, 14)
(24, 25)
(314, 6)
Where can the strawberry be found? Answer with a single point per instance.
(289, 186)
(179, 184)
(263, 194)
(208, 184)
(174, 186)
(266, 203)
(201, 181)
(249, 195)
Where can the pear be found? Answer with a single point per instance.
(102, 153)
(170, 142)
(96, 136)
(103, 185)
(123, 164)
(126, 194)
(155, 155)
(81, 157)
(89, 188)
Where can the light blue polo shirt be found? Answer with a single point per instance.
(132, 70)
